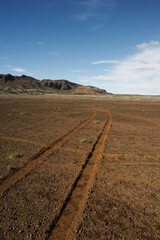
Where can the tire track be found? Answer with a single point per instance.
(66, 222)
(42, 154)
(137, 179)
(131, 154)
(140, 164)
(22, 140)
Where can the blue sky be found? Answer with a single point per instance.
(111, 44)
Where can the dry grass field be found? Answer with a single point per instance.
(79, 167)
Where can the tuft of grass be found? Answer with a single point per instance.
(58, 109)
(85, 140)
(9, 168)
(153, 207)
(135, 175)
(155, 199)
(21, 214)
(96, 122)
(15, 155)
(40, 229)
(45, 184)
(120, 231)
(22, 113)
(28, 212)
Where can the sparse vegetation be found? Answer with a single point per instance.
(96, 122)
(15, 155)
(145, 150)
(118, 231)
(85, 140)
(155, 199)
(22, 113)
(153, 207)
(9, 168)
(45, 184)
(29, 212)
(40, 231)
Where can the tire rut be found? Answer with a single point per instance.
(41, 155)
(66, 222)
(22, 140)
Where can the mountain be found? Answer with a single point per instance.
(10, 83)
(22, 82)
(59, 84)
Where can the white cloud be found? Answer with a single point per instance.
(146, 45)
(20, 70)
(16, 69)
(139, 73)
(105, 61)
(40, 43)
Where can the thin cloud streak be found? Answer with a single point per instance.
(16, 69)
(105, 61)
(20, 70)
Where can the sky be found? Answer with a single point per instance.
(110, 44)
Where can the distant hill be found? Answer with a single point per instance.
(10, 83)
(22, 82)
(60, 85)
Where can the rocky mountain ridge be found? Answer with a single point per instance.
(10, 83)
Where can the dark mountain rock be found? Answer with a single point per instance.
(7, 77)
(59, 84)
(26, 83)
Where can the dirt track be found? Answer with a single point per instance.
(124, 202)
(22, 140)
(42, 154)
(68, 219)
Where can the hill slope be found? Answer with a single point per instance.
(59, 84)
(24, 83)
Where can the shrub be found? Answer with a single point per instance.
(84, 140)
(9, 168)
(15, 155)
(22, 113)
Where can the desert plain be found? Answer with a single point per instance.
(79, 167)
